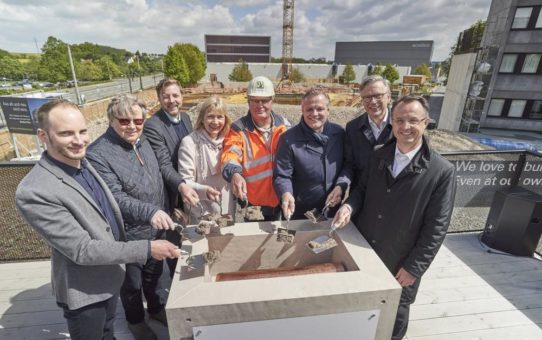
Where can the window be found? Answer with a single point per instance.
(516, 108)
(508, 63)
(530, 65)
(495, 108)
(536, 110)
(539, 21)
(521, 19)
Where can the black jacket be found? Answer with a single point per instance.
(359, 143)
(405, 219)
(138, 188)
(165, 142)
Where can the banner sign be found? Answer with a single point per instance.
(21, 113)
(477, 180)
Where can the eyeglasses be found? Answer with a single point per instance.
(260, 101)
(127, 121)
(377, 97)
(413, 121)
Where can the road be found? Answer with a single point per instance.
(115, 87)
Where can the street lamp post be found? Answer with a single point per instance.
(74, 77)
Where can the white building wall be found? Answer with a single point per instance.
(456, 91)
(312, 72)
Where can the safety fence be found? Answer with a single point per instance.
(479, 175)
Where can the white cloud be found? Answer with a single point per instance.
(151, 26)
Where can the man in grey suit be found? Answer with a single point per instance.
(164, 131)
(70, 206)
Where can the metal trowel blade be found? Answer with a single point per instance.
(321, 244)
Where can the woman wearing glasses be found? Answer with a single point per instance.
(199, 160)
(126, 162)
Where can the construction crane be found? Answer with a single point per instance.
(287, 38)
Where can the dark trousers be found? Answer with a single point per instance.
(143, 279)
(92, 322)
(408, 296)
(173, 237)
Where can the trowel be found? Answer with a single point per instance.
(284, 234)
(323, 242)
(316, 216)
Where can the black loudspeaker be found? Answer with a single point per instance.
(514, 223)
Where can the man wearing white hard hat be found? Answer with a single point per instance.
(250, 147)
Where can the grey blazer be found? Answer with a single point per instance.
(87, 263)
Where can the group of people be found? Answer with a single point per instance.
(109, 213)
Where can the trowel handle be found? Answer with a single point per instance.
(333, 228)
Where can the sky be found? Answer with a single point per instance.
(153, 25)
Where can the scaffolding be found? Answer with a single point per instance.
(478, 89)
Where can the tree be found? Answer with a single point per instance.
(108, 68)
(240, 72)
(4, 53)
(87, 70)
(424, 70)
(297, 76)
(54, 64)
(390, 73)
(377, 70)
(11, 68)
(31, 66)
(348, 74)
(175, 66)
(185, 62)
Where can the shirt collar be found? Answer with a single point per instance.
(383, 123)
(410, 155)
(70, 170)
(173, 119)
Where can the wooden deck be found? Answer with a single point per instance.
(467, 293)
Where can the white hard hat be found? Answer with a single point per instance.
(260, 87)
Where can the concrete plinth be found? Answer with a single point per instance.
(359, 303)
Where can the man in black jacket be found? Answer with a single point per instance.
(164, 131)
(405, 199)
(369, 131)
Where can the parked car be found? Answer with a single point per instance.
(43, 84)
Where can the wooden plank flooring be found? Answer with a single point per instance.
(28, 309)
(467, 293)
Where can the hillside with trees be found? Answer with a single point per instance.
(92, 62)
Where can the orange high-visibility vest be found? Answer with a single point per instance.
(247, 152)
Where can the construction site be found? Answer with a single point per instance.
(484, 283)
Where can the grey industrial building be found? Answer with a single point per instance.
(232, 48)
(404, 53)
(512, 48)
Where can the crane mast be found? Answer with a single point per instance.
(287, 38)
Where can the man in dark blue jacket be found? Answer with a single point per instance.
(309, 160)
(126, 162)
(405, 199)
